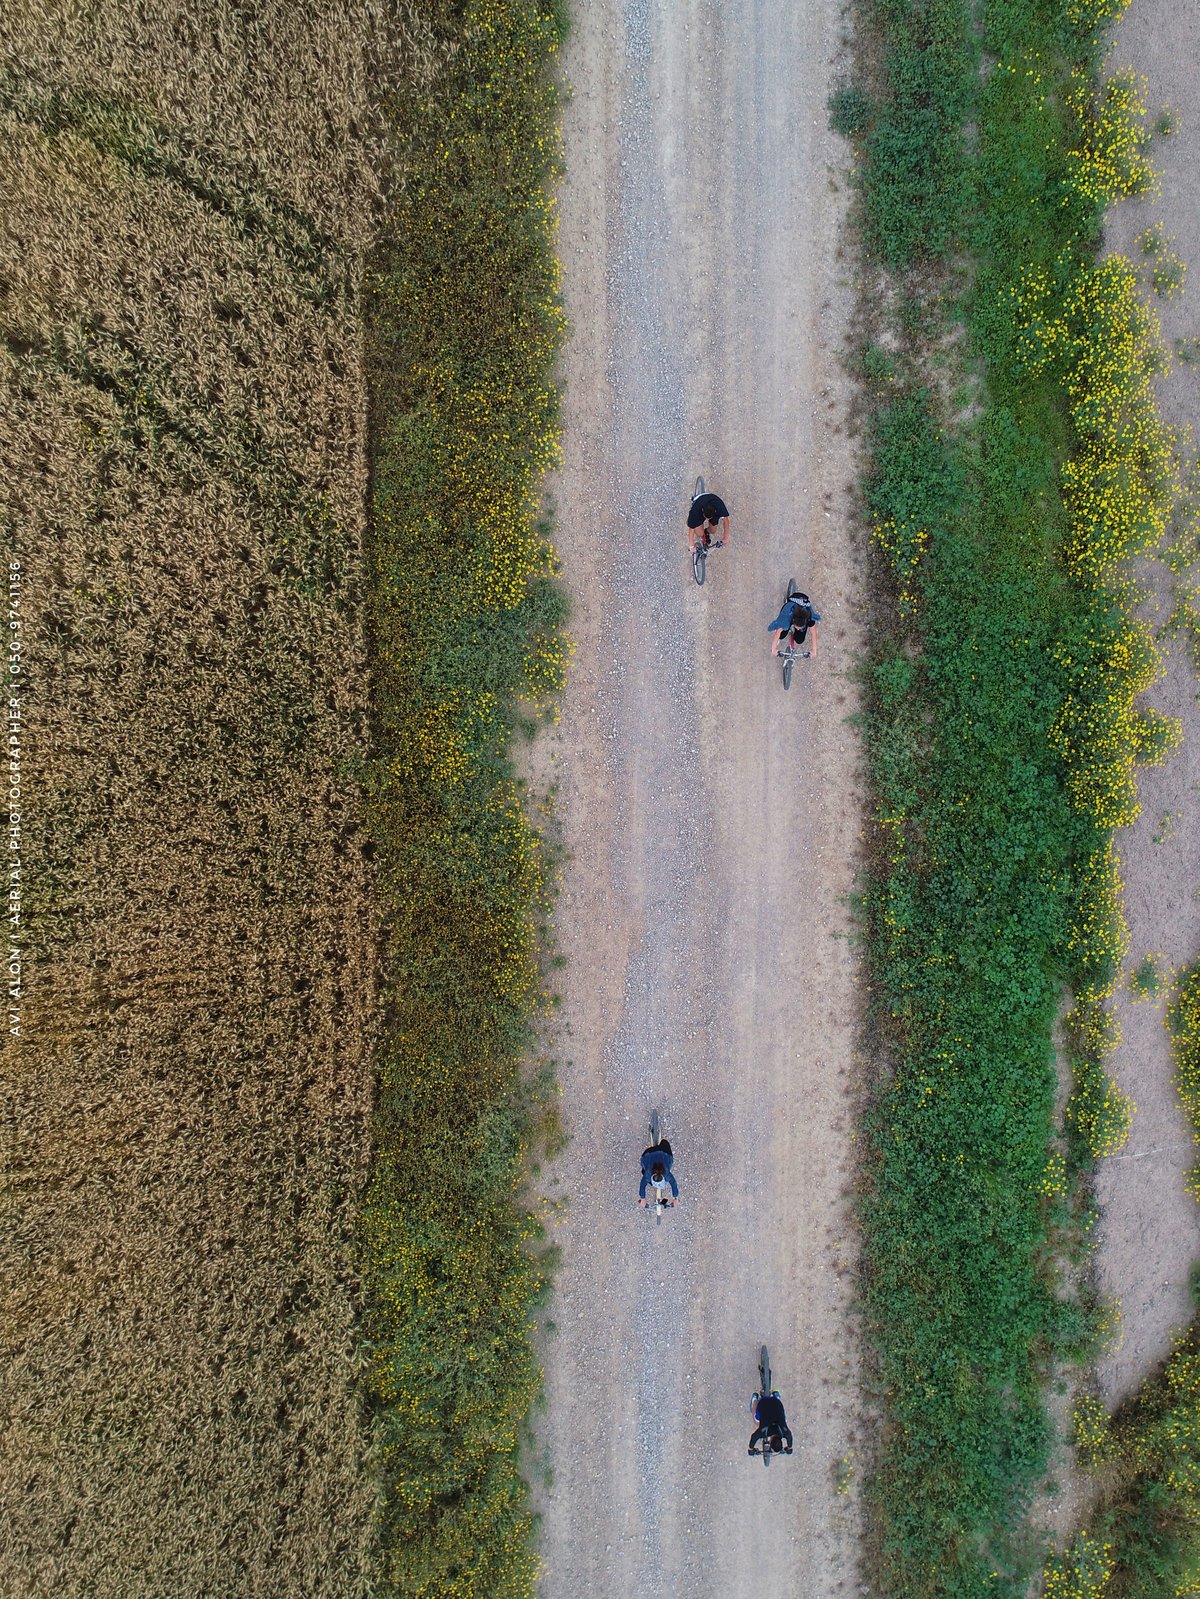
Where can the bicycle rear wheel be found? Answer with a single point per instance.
(699, 489)
(764, 1370)
(653, 1128)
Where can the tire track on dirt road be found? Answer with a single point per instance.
(712, 821)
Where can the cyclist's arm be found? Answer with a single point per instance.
(673, 1183)
(724, 530)
(812, 639)
(691, 536)
(778, 637)
(787, 1435)
(645, 1183)
(757, 1436)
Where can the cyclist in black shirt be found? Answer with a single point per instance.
(772, 1431)
(708, 515)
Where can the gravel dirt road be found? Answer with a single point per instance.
(712, 820)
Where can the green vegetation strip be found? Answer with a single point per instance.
(464, 324)
(1003, 737)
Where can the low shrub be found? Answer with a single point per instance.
(850, 110)
(1082, 1573)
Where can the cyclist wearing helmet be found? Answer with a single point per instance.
(772, 1431)
(798, 618)
(708, 513)
(656, 1169)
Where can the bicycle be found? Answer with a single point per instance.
(661, 1202)
(789, 657)
(700, 549)
(791, 654)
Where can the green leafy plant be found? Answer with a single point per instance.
(850, 110)
(916, 177)
(1169, 270)
(1146, 980)
(1152, 241)
(1168, 275)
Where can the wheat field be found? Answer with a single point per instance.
(186, 192)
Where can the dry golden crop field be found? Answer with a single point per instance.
(185, 195)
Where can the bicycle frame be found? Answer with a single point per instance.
(789, 657)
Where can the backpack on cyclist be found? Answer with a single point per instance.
(795, 606)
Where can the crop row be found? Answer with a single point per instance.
(1004, 728)
(463, 325)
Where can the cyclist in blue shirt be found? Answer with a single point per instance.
(656, 1169)
(796, 622)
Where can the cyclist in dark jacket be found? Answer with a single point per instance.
(656, 1169)
(796, 622)
(772, 1431)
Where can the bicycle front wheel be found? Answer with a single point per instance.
(787, 672)
(699, 556)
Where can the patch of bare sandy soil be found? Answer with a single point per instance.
(711, 819)
(1150, 1231)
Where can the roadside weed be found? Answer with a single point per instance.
(1147, 980)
